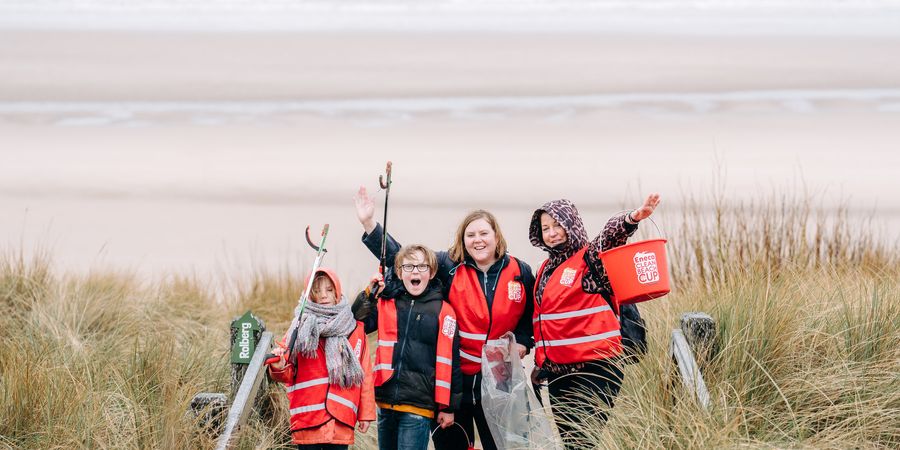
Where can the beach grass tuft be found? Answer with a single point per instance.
(807, 306)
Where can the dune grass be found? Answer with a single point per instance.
(807, 306)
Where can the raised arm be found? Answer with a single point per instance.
(372, 237)
(372, 231)
(615, 234)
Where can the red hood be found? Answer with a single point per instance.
(330, 273)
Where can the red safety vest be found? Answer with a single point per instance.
(388, 337)
(313, 400)
(477, 325)
(570, 325)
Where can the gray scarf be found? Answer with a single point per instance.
(333, 323)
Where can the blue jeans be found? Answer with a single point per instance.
(402, 431)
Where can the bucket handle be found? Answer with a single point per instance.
(658, 231)
(460, 427)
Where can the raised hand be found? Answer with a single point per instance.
(646, 209)
(365, 209)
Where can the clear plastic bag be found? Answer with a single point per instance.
(516, 418)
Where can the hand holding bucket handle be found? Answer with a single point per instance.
(471, 444)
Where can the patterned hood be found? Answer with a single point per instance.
(565, 212)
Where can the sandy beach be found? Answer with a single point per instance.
(179, 151)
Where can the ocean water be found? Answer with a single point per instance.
(389, 112)
(690, 16)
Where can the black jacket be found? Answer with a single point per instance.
(416, 349)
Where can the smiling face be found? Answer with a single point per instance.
(416, 280)
(552, 232)
(481, 242)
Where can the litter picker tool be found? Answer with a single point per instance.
(301, 304)
(385, 182)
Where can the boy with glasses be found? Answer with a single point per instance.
(418, 383)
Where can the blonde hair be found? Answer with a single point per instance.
(457, 251)
(407, 251)
(316, 285)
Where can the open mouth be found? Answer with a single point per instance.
(415, 282)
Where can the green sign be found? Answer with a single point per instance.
(244, 333)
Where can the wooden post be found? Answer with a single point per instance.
(696, 337)
(700, 331)
(246, 393)
(209, 410)
(246, 332)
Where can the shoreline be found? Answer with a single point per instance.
(280, 66)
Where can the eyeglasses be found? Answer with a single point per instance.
(419, 267)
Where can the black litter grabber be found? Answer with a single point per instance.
(301, 304)
(385, 182)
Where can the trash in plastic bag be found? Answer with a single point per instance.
(516, 418)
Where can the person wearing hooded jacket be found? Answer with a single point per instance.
(329, 374)
(576, 314)
(418, 383)
(491, 292)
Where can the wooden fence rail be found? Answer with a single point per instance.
(246, 394)
(691, 347)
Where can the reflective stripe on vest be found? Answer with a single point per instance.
(388, 337)
(321, 406)
(467, 335)
(578, 340)
(443, 372)
(307, 408)
(473, 358)
(343, 401)
(570, 314)
(571, 325)
(313, 400)
(477, 324)
(306, 384)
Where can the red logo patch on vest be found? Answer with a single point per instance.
(358, 349)
(449, 327)
(515, 291)
(568, 277)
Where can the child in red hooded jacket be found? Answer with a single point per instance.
(329, 374)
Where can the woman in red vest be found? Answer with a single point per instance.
(329, 377)
(491, 293)
(576, 325)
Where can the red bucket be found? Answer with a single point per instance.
(637, 272)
